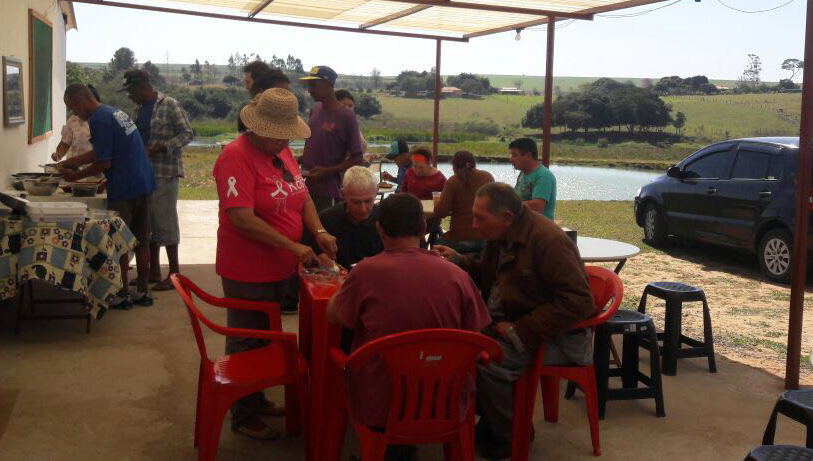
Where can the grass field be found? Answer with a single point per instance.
(529, 82)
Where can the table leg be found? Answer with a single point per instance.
(620, 265)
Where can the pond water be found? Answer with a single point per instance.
(572, 182)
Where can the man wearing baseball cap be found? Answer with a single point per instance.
(335, 142)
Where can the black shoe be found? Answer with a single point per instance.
(288, 310)
(141, 299)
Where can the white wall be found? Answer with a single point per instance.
(16, 155)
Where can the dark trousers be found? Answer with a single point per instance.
(250, 405)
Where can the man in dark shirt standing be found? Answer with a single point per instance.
(352, 221)
(335, 142)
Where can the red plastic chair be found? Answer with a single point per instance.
(223, 381)
(428, 369)
(608, 292)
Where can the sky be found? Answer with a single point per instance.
(688, 38)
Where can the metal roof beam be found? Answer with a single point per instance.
(394, 16)
(271, 21)
(591, 12)
(259, 9)
(499, 8)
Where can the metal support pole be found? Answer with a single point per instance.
(799, 258)
(436, 126)
(546, 120)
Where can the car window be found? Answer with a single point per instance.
(750, 165)
(711, 166)
(775, 167)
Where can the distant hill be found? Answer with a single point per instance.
(528, 82)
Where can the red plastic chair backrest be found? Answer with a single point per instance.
(186, 288)
(608, 292)
(428, 370)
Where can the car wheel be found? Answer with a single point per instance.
(775, 249)
(654, 226)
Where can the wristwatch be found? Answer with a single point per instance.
(321, 230)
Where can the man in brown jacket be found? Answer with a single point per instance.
(532, 278)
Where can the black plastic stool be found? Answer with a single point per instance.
(675, 294)
(633, 325)
(780, 453)
(796, 405)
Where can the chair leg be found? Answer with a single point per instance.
(601, 361)
(293, 419)
(207, 451)
(550, 397)
(524, 400)
(591, 401)
(642, 303)
(655, 371)
(671, 337)
(304, 412)
(708, 335)
(770, 429)
(373, 448)
(198, 407)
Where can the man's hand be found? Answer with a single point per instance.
(502, 328)
(385, 175)
(444, 251)
(327, 243)
(324, 260)
(156, 149)
(316, 173)
(71, 175)
(303, 253)
(55, 156)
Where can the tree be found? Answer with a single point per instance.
(232, 66)
(207, 71)
(470, 83)
(679, 122)
(231, 80)
(376, 76)
(197, 72)
(123, 59)
(75, 73)
(786, 84)
(155, 74)
(185, 75)
(752, 70)
(294, 65)
(793, 65)
(367, 105)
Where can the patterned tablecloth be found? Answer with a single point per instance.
(82, 257)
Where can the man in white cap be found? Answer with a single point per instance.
(264, 208)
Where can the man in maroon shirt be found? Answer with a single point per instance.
(335, 142)
(429, 292)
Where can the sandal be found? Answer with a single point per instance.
(271, 409)
(163, 285)
(266, 433)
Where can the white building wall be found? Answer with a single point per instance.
(16, 155)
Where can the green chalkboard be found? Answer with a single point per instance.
(40, 58)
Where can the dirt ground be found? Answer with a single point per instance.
(749, 313)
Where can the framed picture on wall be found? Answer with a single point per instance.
(13, 101)
(40, 76)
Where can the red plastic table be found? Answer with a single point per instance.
(316, 337)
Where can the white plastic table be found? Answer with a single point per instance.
(604, 250)
(98, 202)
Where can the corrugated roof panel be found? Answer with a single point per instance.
(314, 9)
(458, 20)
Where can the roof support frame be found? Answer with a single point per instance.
(160, 9)
(499, 8)
(394, 16)
(259, 9)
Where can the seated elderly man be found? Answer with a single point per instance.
(352, 221)
(532, 277)
(428, 292)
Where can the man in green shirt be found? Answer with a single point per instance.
(536, 185)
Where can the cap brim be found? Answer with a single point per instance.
(311, 77)
(298, 129)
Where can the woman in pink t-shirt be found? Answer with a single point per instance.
(264, 208)
(423, 179)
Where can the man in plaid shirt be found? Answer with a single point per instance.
(165, 129)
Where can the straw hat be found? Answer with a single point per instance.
(274, 113)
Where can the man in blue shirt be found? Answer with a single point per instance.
(119, 153)
(399, 153)
(536, 184)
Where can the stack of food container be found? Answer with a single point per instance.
(56, 211)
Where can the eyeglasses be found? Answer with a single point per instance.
(287, 176)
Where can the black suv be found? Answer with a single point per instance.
(738, 193)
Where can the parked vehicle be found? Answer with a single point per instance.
(737, 194)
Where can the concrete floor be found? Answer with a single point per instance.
(127, 391)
